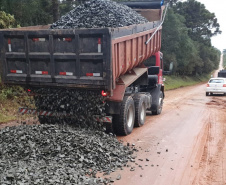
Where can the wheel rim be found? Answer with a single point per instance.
(130, 117)
(142, 112)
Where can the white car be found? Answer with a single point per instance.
(216, 86)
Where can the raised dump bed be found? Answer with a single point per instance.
(124, 65)
(90, 58)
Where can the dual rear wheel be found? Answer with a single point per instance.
(132, 113)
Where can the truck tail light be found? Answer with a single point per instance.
(224, 85)
(207, 85)
(93, 74)
(35, 39)
(89, 74)
(12, 71)
(67, 39)
(104, 94)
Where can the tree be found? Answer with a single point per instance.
(6, 20)
(29, 12)
(224, 61)
(177, 46)
(201, 23)
(55, 9)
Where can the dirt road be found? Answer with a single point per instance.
(184, 145)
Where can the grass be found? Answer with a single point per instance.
(8, 111)
(174, 82)
(10, 96)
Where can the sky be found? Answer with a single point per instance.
(219, 8)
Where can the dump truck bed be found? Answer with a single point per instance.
(222, 73)
(78, 58)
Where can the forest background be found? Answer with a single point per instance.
(186, 34)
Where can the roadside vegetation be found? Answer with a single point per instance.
(10, 100)
(224, 59)
(8, 103)
(186, 41)
(175, 82)
(186, 35)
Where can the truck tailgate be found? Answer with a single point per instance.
(75, 58)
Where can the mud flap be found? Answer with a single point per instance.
(155, 97)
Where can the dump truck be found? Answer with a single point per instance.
(124, 64)
(222, 73)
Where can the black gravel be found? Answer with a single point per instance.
(99, 14)
(74, 106)
(58, 154)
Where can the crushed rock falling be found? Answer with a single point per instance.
(99, 14)
(68, 149)
(79, 107)
(58, 154)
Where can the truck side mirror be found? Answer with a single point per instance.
(153, 70)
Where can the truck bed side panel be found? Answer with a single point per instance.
(130, 51)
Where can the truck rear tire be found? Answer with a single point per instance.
(159, 106)
(140, 110)
(125, 120)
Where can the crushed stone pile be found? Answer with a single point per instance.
(99, 14)
(58, 154)
(76, 106)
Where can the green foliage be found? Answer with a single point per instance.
(187, 46)
(185, 37)
(174, 82)
(224, 61)
(202, 24)
(177, 46)
(29, 12)
(224, 51)
(6, 93)
(6, 20)
(9, 92)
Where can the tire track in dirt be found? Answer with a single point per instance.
(212, 166)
